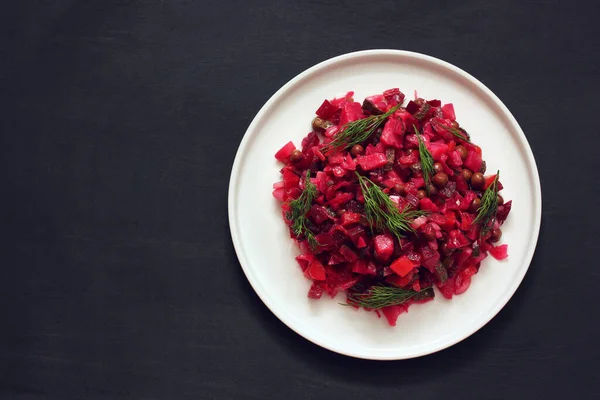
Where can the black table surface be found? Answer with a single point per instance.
(120, 121)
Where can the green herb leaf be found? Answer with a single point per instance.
(486, 215)
(298, 210)
(382, 213)
(426, 160)
(383, 296)
(356, 132)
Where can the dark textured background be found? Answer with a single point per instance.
(119, 124)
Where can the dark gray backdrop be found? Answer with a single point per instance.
(119, 124)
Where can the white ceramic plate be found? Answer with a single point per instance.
(266, 252)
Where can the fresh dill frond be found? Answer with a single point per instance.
(486, 214)
(380, 296)
(356, 132)
(382, 213)
(298, 210)
(426, 160)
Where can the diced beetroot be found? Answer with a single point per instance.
(392, 132)
(339, 101)
(358, 235)
(391, 313)
(401, 281)
(466, 220)
(450, 222)
(340, 199)
(449, 190)
(503, 211)
(499, 252)
(472, 147)
(331, 131)
(469, 271)
(403, 265)
(474, 231)
(283, 154)
(408, 158)
(318, 153)
(325, 241)
(349, 163)
(461, 184)
(447, 289)
(457, 240)
(430, 258)
(445, 167)
(311, 140)
(375, 105)
(473, 161)
(437, 149)
(463, 256)
(315, 271)
(348, 253)
(468, 200)
(383, 246)
(454, 161)
(318, 214)
(316, 291)
(406, 117)
(412, 107)
(418, 222)
(349, 218)
(489, 180)
(461, 284)
(351, 111)
(361, 242)
(416, 286)
(448, 111)
(304, 260)
(326, 110)
(427, 204)
(372, 161)
(411, 140)
(364, 268)
(290, 179)
(340, 279)
(482, 255)
(279, 194)
(336, 259)
(418, 181)
(429, 231)
(412, 199)
(336, 158)
(393, 96)
(340, 229)
(338, 171)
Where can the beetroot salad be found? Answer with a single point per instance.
(387, 200)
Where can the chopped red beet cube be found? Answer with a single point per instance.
(403, 265)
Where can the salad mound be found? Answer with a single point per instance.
(387, 201)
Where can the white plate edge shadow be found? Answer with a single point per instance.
(530, 160)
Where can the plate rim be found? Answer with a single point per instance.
(234, 177)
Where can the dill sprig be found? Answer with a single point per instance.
(382, 213)
(356, 132)
(489, 206)
(454, 131)
(380, 296)
(298, 210)
(426, 160)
